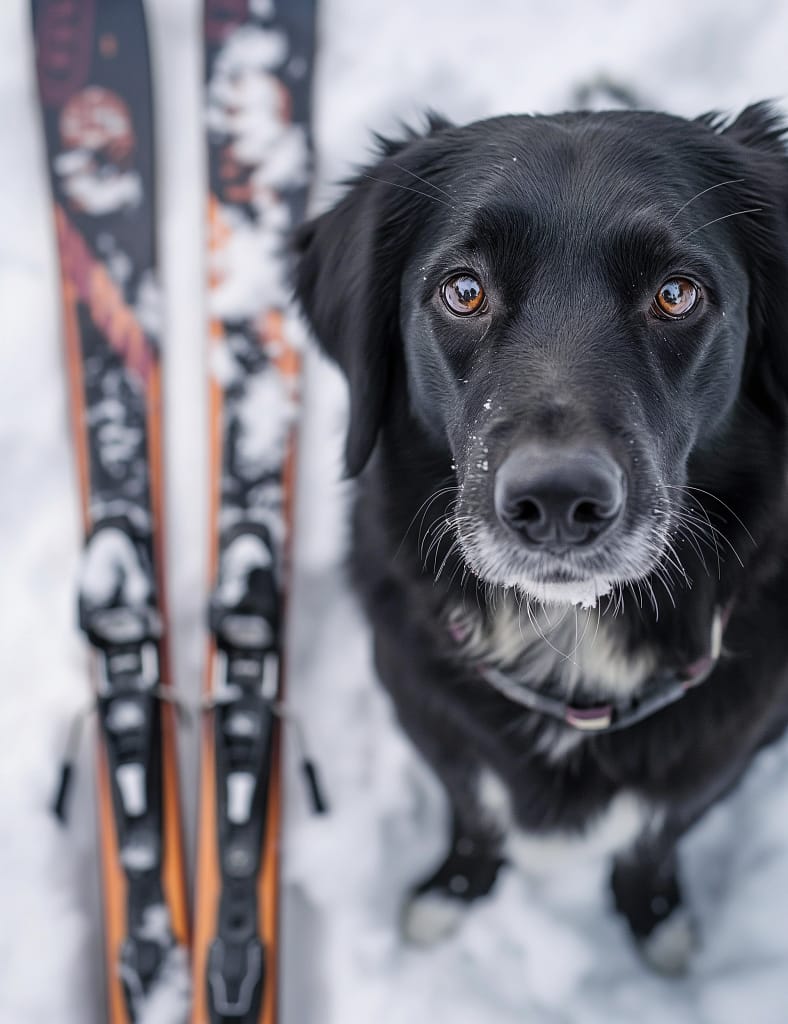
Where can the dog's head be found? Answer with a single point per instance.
(582, 305)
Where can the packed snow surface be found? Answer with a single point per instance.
(549, 952)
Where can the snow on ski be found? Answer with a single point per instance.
(258, 59)
(93, 75)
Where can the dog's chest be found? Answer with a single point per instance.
(573, 650)
(610, 831)
(581, 654)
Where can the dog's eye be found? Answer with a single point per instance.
(676, 299)
(463, 295)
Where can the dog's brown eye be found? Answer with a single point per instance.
(463, 295)
(676, 298)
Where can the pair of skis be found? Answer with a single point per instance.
(94, 82)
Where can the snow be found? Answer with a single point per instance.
(263, 439)
(670, 946)
(170, 999)
(245, 554)
(110, 561)
(148, 306)
(91, 193)
(249, 265)
(431, 917)
(546, 952)
(241, 87)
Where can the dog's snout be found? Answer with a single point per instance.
(558, 496)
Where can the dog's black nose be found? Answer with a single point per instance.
(558, 496)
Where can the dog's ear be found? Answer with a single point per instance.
(349, 264)
(760, 135)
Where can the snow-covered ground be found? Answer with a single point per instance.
(546, 954)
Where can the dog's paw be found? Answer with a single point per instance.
(669, 947)
(436, 906)
(432, 916)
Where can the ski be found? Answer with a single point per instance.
(94, 83)
(258, 60)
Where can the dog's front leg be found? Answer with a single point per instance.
(647, 892)
(436, 905)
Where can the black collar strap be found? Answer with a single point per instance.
(664, 689)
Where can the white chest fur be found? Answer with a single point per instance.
(616, 829)
(568, 645)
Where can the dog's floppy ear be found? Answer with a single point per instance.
(761, 137)
(349, 264)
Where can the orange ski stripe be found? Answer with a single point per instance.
(76, 391)
(108, 310)
(207, 883)
(218, 237)
(215, 414)
(173, 859)
(114, 895)
(268, 883)
(208, 874)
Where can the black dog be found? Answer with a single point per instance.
(566, 340)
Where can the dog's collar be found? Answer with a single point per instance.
(664, 689)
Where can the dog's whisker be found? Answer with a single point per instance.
(714, 532)
(711, 188)
(460, 567)
(455, 544)
(519, 598)
(717, 220)
(435, 525)
(696, 532)
(671, 556)
(715, 497)
(598, 623)
(652, 597)
(579, 642)
(437, 548)
(476, 582)
(424, 505)
(442, 530)
(685, 532)
(426, 181)
(663, 577)
(442, 521)
(407, 188)
(557, 625)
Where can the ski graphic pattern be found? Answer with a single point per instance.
(258, 62)
(94, 82)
